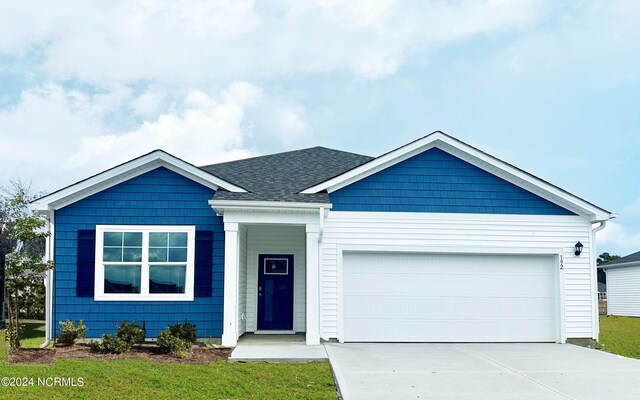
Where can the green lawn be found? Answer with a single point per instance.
(149, 380)
(620, 335)
(32, 335)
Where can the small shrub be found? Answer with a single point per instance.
(111, 344)
(127, 335)
(177, 339)
(70, 332)
(131, 333)
(173, 344)
(186, 332)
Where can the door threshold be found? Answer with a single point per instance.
(274, 332)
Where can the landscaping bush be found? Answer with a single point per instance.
(173, 344)
(177, 339)
(131, 333)
(186, 332)
(111, 344)
(122, 342)
(70, 332)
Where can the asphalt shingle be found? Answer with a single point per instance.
(281, 176)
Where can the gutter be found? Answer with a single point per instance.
(221, 205)
(620, 265)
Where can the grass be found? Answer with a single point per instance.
(32, 335)
(620, 335)
(148, 380)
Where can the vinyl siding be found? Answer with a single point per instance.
(623, 291)
(274, 239)
(436, 181)
(493, 233)
(158, 197)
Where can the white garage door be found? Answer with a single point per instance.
(416, 297)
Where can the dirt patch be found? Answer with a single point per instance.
(197, 355)
(31, 356)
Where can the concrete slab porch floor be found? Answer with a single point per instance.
(478, 371)
(276, 348)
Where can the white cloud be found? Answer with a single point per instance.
(197, 42)
(597, 34)
(55, 136)
(619, 237)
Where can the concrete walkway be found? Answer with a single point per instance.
(276, 348)
(519, 371)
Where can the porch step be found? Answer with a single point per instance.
(276, 348)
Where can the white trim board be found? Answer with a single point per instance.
(145, 264)
(126, 171)
(476, 157)
(557, 254)
(220, 206)
(629, 264)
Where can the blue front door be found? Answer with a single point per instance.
(275, 292)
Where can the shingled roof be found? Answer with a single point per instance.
(631, 258)
(281, 176)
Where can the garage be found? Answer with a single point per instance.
(426, 297)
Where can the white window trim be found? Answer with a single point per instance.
(264, 265)
(144, 295)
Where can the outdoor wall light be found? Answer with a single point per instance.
(579, 247)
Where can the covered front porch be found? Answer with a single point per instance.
(271, 275)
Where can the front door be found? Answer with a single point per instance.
(275, 292)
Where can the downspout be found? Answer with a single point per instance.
(48, 280)
(596, 318)
(321, 224)
(600, 227)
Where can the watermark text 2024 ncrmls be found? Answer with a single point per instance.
(42, 381)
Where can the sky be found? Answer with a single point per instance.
(550, 86)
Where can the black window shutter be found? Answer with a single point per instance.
(203, 264)
(86, 266)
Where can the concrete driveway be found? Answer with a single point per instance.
(478, 371)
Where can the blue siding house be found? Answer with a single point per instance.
(332, 244)
(158, 197)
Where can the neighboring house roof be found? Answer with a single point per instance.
(631, 260)
(126, 171)
(281, 176)
(474, 156)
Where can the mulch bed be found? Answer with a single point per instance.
(149, 352)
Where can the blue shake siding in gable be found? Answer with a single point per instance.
(159, 197)
(436, 181)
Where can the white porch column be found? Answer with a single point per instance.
(313, 285)
(231, 261)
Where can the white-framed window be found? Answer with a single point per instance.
(144, 263)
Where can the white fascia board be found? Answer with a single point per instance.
(221, 205)
(475, 157)
(126, 171)
(621, 265)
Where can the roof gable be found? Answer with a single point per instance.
(436, 181)
(126, 171)
(475, 157)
